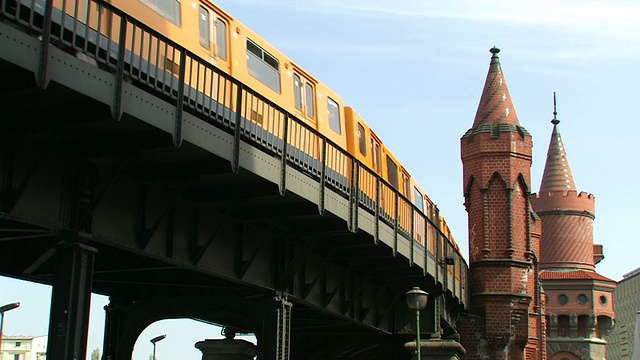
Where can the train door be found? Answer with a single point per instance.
(214, 36)
(304, 97)
(376, 155)
(304, 94)
(405, 205)
(420, 221)
(392, 172)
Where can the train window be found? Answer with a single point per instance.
(362, 141)
(310, 98)
(375, 150)
(221, 39)
(334, 116)
(417, 198)
(297, 91)
(392, 172)
(168, 9)
(204, 27)
(263, 66)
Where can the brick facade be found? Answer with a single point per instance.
(533, 286)
(579, 302)
(505, 320)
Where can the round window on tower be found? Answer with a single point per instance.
(603, 300)
(582, 299)
(563, 299)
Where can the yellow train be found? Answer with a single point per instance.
(154, 33)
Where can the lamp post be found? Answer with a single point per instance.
(417, 300)
(4, 309)
(154, 341)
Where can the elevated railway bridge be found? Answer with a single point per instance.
(150, 183)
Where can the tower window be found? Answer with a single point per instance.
(563, 299)
(582, 299)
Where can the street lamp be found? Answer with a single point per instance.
(417, 300)
(4, 309)
(154, 341)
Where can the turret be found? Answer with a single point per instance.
(567, 215)
(496, 157)
(579, 302)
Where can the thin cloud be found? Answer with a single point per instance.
(611, 19)
(569, 31)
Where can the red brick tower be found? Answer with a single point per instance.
(505, 320)
(579, 302)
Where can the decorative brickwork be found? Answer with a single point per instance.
(579, 302)
(503, 231)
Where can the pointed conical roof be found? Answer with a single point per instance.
(495, 104)
(557, 173)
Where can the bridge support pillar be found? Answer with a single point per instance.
(70, 301)
(227, 349)
(113, 328)
(437, 349)
(276, 331)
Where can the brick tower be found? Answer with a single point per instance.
(505, 320)
(579, 302)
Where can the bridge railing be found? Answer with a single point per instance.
(126, 47)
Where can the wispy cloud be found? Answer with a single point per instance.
(602, 29)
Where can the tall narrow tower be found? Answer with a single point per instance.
(579, 302)
(503, 232)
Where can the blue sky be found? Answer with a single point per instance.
(415, 71)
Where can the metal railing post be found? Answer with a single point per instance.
(180, 100)
(283, 163)
(235, 163)
(44, 48)
(117, 98)
(322, 175)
